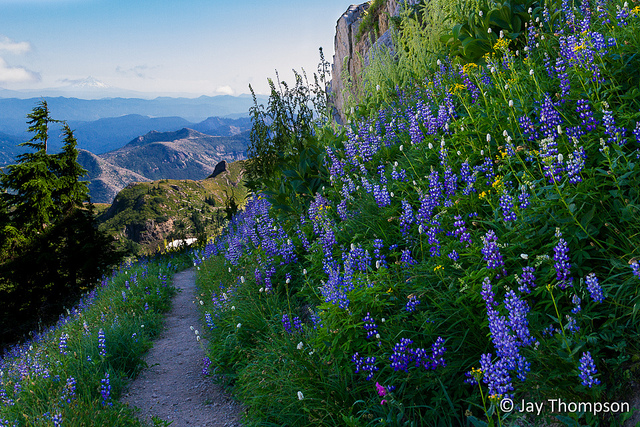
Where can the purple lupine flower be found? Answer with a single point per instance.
(518, 310)
(57, 420)
(572, 325)
(588, 370)
(407, 218)
(412, 303)
(381, 195)
(495, 375)
(575, 300)
(365, 364)
(401, 358)
(406, 258)
(453, 256)
(105, 390)
(594, 288)
(102, 346)
(490, 251)
(437, 353)
(69, 391)
(562, 264)
(62, 345)
(370, 326)
(506, 204)
(380, 258)
(206, 362)
(575, 164)
(487, 294)
(526, 279)
(461, 230)
(616, 134)
(297, 323)
(635, 267)
(286, 323)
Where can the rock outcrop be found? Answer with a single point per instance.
(220, 167)
(352, 53)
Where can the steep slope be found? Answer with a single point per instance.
(105, 179)
(144, 214)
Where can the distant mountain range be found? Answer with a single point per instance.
(13, 111)
(183, 154)
(110, 142)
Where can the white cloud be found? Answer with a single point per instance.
(226, 90)
(8, 45)
(16, 74)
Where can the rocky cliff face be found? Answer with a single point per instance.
(352, 53)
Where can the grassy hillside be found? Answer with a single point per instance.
(475, 255)
(145, 214)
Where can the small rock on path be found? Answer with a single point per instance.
(173, 387)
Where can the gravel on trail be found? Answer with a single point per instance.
(173, 388)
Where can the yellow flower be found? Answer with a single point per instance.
(482, 195)
(438, 267)
(468, 67)
(457, 88)
(578, 47)
(636, 10)
(501, 44)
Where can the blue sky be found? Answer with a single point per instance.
(189, 46)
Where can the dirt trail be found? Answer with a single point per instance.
(173, 387)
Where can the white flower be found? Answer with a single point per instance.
(300, 345)
(242, 277)
(480, 13)
(378, 88)
(560, 157)
(238, 325)
(197, 332)
(198, 338)
(378, 336)
(488, 137)
(401, 147)
(300, 395)
(233, 307)
(391, 194)
(438, 62)
(506, 86)
(493, 70)
(261, 289)
(459, 153)
(559, 129)
(531, 72)
(201, 302)
(287, 281)
(482, 152)
(505, 133)
(524, 256)
(501, 34)
(383, 320)
(304, 271)
(430, 146)
(511, 103)
(191, 327)
(229, 269)
(489, 30)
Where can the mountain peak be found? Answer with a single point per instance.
(89, 83)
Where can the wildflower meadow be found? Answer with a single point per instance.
(73, 373)
(472, 256)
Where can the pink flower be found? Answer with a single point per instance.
(383, 401)
(381, 390)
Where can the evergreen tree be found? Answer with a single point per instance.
(31, 182)
(70, 191)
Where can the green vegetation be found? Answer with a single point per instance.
(477, 243)
(72, 374)
(146, 215)
(49, 245)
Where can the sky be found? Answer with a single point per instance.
(196, 47)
